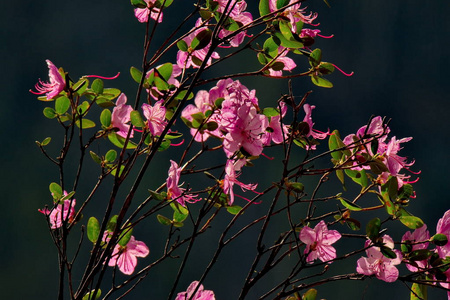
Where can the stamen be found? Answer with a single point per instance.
(346, 74)
(102, 77)
(268, 157)
(179, 144)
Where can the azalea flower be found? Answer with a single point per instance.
(418, 240)
(295, 14)
(379, 265)
(200, 294)
(318, 242)
(312, 132)
(121, 116)
(125, 257)
(156, 117)
(275, 131)
(443, 227)
(240, 16)
(142, 13)
(61, 213)
(231, 174)
(54, 87)
(287, 62)
(174, 191)
(157, 94)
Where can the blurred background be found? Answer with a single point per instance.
(397, 49)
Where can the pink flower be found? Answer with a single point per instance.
(443, 227)
(125, 258)
(142, 13)
(174, 192)
(200, 294)
(379, 265)
(231, 178)
(275, 131)
(61, 213)
(418, 240)
(121, 116)
(191, 57)
(157, 94)
(318, 242)
(240, 16)
(295, 14)
(288, 63)
(54, 87)
(312, 132)
(156, 117)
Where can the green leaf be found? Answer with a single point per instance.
(114, 170)
(112, 224)
(46, 141)
(179, 217)
(419, 292)
(292, 43)
(157, 196)
(234, 209)
(420, 254)
(335, 142)
(111, 93)
(68, 196)
(85, 123)
(350, 205)
(163, 220)
(326, 68)
(165, 71)
(104, 102)
(315, 58)
(353, 224)
(125, 236)
(270, 112)
(164, 145)
(80, 86)
(95, 157)
(49, 113)
(271, 46)
(201, 40)
(83, 107)
(264, 8)
(411, 222)
(119, 141)
(360, 177)
(159, 3)
(320, 81)
(62, 104)
(91, 296)
(97, 86)
(387, 252)
(111, 155)
(93, 229)
(136, 119)
(439, 239)
(55, 190)
(182, 45)
(311, 294)
(373, 228)
(105, 118)
(282, 3)
(136, 74)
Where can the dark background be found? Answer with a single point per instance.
(397, 49)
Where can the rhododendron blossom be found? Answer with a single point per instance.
(160, 95)
(318, 242)
(156, 117)
(151, 10)
(418, 240)
(443, 227)
(54, 87)
(294, 13)
(379, 265)
(236, 12)
(276, 131)
(232, 172)
(196, 292)
(287, 63)
(61, 213)
(125, 257)
(312, 132)
(121, 116)
(174, 192)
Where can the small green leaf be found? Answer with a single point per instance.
(420, 254)
(157, 196)
(80, 86)
(293, 43)
(55, 190)
(111, 155)
(164, 145)
(315, 58)
(93, 229)
(91, 296)
(83, 107)
(201, 40)
(264, 8)
(311, 294)
(125, 236)
(439, 239)
(119, 141)
(350, 205)
(97, 86)
(282, 3)
(138, 4)
(411, 222)
(270, 112)
(182, 45)
(95, 157)
(179, 217)
(373, 228)
(387, 252)
(46, 141)
(234, 209)
(111, 93)
(360, 177)
(136, 74)
(112, 223)
(163, 220)
(105, 118)
(62, 104)
(165, 71)
(159, 3)
(320, 81)
(85, 123)
(419, 292)
(49, 113)
(136, 119)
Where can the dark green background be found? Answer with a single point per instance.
(397, 49)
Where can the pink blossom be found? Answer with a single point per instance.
(185, 58)
(157, 94)
(55, 217)
(121, 116)
(240, 16)
(288, 63)
(156, 117)
(174, 192)
(295, 14)
(379, 265)
(418, 239)
(200, 294)
(54, 87)
(142, 13)
(275, 131)
(312, 132)
(232, 169)
(318, 242)
(443, 227)
(393, 161)
(125, 257)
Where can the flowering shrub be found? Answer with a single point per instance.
(176, 108)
